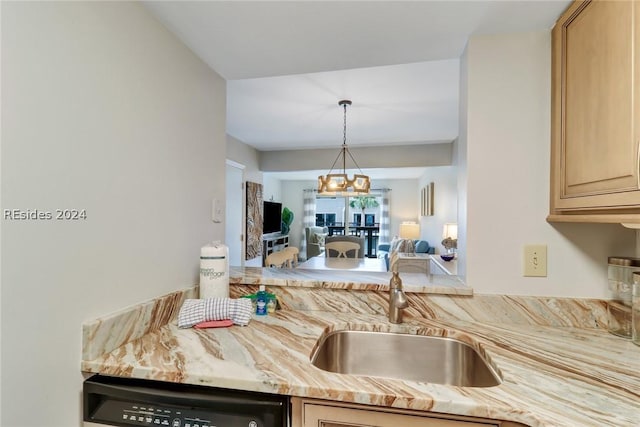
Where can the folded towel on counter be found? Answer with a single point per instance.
(194, 311)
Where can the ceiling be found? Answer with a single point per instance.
(288, 63)
(395, 104)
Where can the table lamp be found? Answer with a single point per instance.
(409, 230)
(450, 237)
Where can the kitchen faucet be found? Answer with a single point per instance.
(397, 298)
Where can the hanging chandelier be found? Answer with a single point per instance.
(339, 183)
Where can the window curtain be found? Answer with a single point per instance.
(385, 227)
(308, 216)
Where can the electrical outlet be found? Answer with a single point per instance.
(535, 260)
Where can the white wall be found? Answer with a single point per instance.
(415, 155)
(104, 110)
(247, 156)
(507, 154)
(404, 201)
(445, 202)
(460, 162)
(271, 188)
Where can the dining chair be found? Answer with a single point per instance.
(280, 259)
(341, 248)
(293, 251)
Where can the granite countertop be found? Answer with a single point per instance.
(346, 279)
(552, 376)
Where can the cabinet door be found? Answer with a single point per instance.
(595, 107)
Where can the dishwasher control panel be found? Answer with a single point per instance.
(148, 415)
(125, 402)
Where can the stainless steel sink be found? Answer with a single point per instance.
(407, 357)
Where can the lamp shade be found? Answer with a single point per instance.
(409, 230)
(450, 230)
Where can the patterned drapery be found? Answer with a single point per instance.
(308, 216)
(385, 221)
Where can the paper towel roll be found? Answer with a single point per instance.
(214, 271)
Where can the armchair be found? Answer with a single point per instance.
(315, 246)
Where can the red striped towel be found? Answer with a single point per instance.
(194, 311)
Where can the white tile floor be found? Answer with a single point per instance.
(254, 262)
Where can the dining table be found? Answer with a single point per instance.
(370, 234)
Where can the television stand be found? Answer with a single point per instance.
(273, 243)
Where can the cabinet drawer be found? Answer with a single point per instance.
(314, 413)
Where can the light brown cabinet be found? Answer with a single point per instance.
(316, 413)
(595, 173)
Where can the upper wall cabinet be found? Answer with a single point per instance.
(596, 113)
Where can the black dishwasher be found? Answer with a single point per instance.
(115, 401)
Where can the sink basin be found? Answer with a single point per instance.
(408, 357)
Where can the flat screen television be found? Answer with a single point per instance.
(272, 217)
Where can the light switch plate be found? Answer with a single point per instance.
(535, 261)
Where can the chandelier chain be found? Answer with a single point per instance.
(344, 138)
(332, 184)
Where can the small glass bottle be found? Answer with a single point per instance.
(271, 303)
(635, 310)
